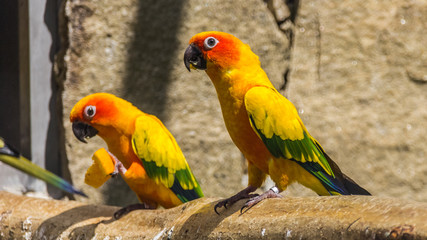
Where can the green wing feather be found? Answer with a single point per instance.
(162, 158)
(276, 121)
(13, 158)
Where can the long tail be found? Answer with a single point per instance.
(351, 186)
(12, 157)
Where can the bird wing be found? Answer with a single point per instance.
(162, 158)
(13, 158)
(275, 120)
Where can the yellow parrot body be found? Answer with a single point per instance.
(263, 124)
(155, 167)
(232, 85)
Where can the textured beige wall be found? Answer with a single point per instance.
(357, 76)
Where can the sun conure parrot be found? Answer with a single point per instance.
(145, 153)
(13, 158)
(263, 124)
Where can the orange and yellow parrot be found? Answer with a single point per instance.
(144, 152)
(263, 124)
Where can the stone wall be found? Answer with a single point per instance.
(356, 71)
(359, 80)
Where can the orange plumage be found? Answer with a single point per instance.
(263, 124)
(153, 164)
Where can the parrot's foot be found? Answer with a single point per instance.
(118, 166)
(245, 193)
(271, 193)
(123, 211)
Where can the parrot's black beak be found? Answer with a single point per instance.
(193, 57)
(83, 131)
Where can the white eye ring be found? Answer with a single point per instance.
(210, 43)
(89, 112)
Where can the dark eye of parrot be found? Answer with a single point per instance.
(89, 112)
(210, 43)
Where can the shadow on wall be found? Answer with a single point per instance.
(56, 160)
(148, 66)
(150, 54)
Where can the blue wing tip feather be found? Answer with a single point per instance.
(75, 191)
(335, 185)
(182, 194)
(66, 186)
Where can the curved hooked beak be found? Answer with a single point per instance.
(193, 58)
(83, 131)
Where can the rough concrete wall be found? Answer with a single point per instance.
(356, 71)
(359, 80)
(349, 217)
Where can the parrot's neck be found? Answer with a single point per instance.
(118, 136)
(232, 84)
(119, 143)
(231, 87)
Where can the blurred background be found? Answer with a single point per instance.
(356, 71)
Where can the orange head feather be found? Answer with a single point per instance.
(218, 49)
(102, 107)
(102, 113)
